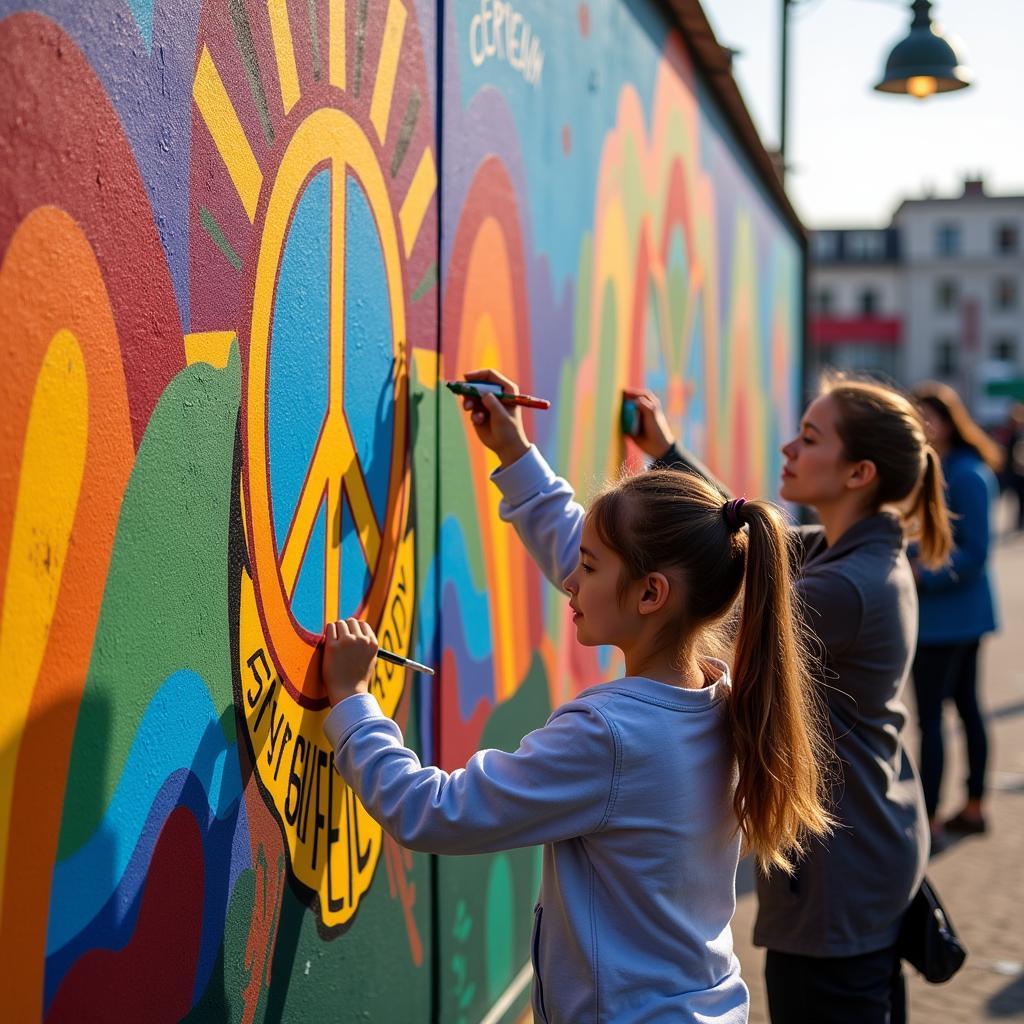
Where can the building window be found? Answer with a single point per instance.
(946, 294)
(1004, 349)
(947, 240)
(823, 301)
(868, 302)
(824, 245)
(945, 358)
(1006, 293)
(1007, 239)
(865, 245)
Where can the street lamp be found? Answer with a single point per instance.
(924, 63)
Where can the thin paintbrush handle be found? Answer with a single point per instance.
(397, 659)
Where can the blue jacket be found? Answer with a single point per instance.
(956, 604)
(629, 787)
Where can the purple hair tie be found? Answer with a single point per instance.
(732, 513)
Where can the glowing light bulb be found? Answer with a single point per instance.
(921, 86)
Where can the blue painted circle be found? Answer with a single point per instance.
(297, 387)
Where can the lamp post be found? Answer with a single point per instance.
(920, 65)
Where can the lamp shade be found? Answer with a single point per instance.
(925, 62)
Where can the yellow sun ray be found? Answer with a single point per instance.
(284, 53)
(226, 130)
(417, 199)
(336, 56)
(387, 67)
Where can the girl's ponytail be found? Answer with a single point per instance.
(774, 718)
(676, 523)
(932, 515)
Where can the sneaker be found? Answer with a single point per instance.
(966, 826)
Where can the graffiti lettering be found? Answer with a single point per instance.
(333, 843)
(500, 31)
(251, 696)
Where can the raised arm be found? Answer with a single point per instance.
(545, 513)
(657, 441)
(538, 504)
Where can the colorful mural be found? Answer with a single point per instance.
(219, 306)
(240, 241)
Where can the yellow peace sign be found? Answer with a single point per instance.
(326, 137)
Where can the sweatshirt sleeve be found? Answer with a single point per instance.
(557, 785)
(544, 511)
(969, 502)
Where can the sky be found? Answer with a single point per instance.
(853, 153)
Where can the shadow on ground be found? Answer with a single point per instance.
(1009, 1001)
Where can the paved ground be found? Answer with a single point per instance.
(980, 879)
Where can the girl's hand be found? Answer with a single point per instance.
(500, 427)
(655, 437)
(350, 652)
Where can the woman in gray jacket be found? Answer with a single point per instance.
(862, 462)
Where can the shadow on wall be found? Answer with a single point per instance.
(36, 758)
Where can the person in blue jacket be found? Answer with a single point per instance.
(643, 789)
(956, 604)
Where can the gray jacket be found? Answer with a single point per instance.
(850, 892)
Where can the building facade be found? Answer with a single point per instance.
(939, 293)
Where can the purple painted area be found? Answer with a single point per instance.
(149, 88)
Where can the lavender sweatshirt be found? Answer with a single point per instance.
(629, 789)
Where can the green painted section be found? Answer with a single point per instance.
(472, 961)
(165, 606)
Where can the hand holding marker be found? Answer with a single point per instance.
(479, 388)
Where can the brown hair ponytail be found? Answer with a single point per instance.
(676, 523)
(772, 713)
(930, 511)
(879, 424)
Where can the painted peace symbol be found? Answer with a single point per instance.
(327, 140)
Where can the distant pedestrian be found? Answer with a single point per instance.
(957, 605)
(831, 929)
(1013, 473)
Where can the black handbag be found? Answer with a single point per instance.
(927, 940)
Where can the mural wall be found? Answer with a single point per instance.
(240, 240)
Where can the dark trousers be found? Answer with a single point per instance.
(1015, 483)
(944, 671)
(865, 989)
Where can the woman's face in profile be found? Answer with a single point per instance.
(815, 470)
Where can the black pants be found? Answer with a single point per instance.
(865, 989)
(1015, 483)
(942, 671)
